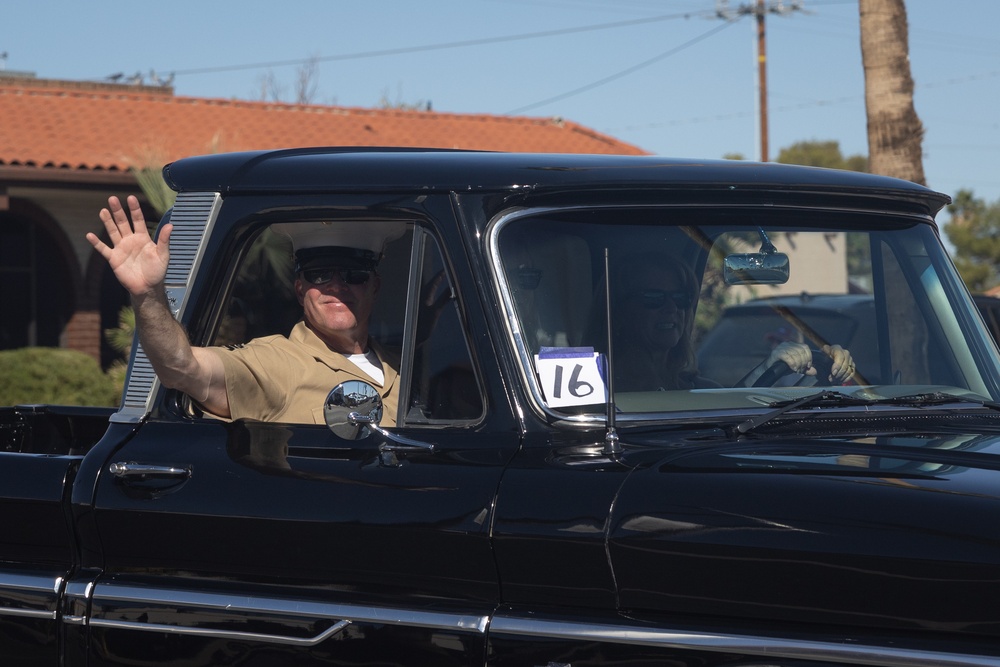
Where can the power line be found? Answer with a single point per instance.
(622, 73)
(801, 105)
(736, 114)
(441, 46)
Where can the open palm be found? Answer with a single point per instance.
(139, 263)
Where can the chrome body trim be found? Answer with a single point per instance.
(76, 602)
(40, 585)
(30, 582)
(28, 613)
(223, 634)
(193, 215)
(344, 614)
(841, 653)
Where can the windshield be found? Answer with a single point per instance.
(701, 299)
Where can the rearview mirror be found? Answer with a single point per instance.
(756, 268)
(766, 267)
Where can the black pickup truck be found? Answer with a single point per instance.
(561, 486)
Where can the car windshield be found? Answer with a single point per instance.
(697, 299)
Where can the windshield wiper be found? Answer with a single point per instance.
(821, 398)
(936, 398)
(835, 398)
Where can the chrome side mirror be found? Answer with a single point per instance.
(351, 409)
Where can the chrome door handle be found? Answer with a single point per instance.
(132, 469)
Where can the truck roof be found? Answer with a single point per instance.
(346, 169)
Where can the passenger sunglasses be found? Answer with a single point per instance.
(348, 276)
(657, 298)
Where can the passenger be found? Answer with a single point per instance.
(653, 315)
(273, 378)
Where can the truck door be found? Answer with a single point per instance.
(274, 543)
(40, 451)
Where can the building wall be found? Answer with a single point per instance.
(72, 296)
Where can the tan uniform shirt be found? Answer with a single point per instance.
(275, 378)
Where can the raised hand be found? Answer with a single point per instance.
(139, 263)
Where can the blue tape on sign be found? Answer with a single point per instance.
(565, 352)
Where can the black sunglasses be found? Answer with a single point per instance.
(348, 276)
(657, 298)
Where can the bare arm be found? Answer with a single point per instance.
(140, 264)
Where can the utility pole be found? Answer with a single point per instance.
(762, 78)
(759, 10)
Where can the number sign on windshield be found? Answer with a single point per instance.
(570, 376)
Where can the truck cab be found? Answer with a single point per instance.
(578, 471)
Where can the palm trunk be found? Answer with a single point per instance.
(894, 130)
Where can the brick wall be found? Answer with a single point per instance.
(83, 333)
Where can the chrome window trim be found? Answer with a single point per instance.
(509, 312)
(344, 614)
(772, 647)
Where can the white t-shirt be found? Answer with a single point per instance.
(369, 363)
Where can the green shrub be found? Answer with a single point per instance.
(55, 376)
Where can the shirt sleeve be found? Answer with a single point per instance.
(258, 378)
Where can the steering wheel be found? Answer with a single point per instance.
(820, 361)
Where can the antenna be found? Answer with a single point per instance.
(611, 444)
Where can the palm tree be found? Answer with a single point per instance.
(895, 133)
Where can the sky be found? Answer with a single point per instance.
(669, 76)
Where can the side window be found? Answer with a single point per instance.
(444, 388)
(416, 308)
(261, 302)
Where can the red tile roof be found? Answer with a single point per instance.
(89, 126)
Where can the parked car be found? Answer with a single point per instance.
(989, 308)
(559, 487)
(747, 332)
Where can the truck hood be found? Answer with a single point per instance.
(898, 532)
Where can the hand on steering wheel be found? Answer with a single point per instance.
(832, 364)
